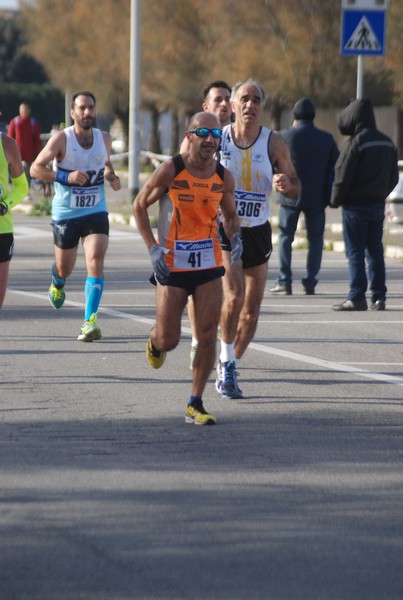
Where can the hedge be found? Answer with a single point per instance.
(46, 101)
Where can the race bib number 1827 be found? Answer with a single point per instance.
(84, 197)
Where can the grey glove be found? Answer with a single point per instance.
(160, 267)
(3, 208)
(236, 248)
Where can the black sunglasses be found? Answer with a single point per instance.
(203, 132)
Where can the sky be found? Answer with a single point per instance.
(8, 4)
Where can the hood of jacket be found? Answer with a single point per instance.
(356, 116)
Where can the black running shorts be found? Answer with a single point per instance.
(67, 233)
(257, 244)
(190, 280)
(6, 247)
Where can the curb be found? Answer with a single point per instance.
(117, 218)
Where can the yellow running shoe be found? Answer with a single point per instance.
(156, 358)
(90, 330)
(198, 415)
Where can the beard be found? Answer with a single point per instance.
(86, 123)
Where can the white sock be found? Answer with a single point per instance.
(194, 341)
(227, 352)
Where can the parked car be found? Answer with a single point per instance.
(394, 202)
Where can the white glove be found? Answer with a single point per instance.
(160, 267)
(236, 248)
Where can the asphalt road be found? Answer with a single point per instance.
(106, 493)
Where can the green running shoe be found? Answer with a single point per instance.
(90, 330)
(56, 295)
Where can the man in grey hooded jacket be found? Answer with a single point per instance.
(365, 173)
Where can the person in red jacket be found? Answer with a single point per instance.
(24, 129)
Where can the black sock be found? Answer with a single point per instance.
(194, 400)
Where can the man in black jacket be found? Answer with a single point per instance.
(365, 173)
(313, 154)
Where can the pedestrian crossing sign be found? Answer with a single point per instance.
(363, 32)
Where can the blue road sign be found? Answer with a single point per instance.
(363, 32)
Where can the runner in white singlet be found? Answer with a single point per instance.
(79, 210)
(259, 160)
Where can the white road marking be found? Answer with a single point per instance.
(295, 356)
(21, 230)
(34, 232)
(327, 364)
(334, 322)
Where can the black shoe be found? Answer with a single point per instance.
(351, 305)
(281, 290)
(309, 291)
(378, 305)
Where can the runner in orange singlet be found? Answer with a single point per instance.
(190, 263)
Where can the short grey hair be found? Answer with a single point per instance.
(253, 82)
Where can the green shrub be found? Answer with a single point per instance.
(42, 208)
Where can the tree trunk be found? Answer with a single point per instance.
(175, 132)
(154, 144)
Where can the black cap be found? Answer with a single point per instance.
(304, 109)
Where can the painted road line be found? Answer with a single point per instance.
(294, 356)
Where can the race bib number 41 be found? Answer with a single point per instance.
(84, 197)
(194, 255)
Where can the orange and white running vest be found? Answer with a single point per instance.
(192, 234)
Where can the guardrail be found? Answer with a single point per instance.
(156, 159)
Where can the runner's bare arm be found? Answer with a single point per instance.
(110, 174)
(228, 207)
(285, 178)
(151, 192)
(55, 148)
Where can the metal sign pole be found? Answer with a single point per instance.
(67, 117)
(134, 100)
(360, 76)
